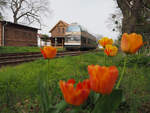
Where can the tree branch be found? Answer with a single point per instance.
(31, 10)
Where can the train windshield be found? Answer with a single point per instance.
(73, 28)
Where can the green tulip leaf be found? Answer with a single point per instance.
(108, 103)
(59, 108)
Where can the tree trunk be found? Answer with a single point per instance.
(129, 24)
(130, 14)
(15, 19)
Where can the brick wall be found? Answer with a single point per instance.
(20, 36)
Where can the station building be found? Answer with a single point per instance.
(58, 34)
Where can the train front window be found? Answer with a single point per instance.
(73, 29)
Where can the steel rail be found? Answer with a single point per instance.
(17, 58)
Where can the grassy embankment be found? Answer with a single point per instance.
(19, 90)
(10, 49)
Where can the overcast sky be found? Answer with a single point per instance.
(92, 14)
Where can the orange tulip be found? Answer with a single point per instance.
(48, 52)
(102, 79)
(111, 50)
(105, 41)
(130, 43)
(75, 96)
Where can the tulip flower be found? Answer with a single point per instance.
(111, 50)
(102, 79)
(48, 52)
(105, 41)
(75, 96)
(130, 43)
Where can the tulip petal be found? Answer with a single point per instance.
(71, 81)
(105, 41)
(136, 40)
(75, 96)
(43, 53)
(125, 45)
(130, 43)
(111, 50)
(48, 52)
(102, 79)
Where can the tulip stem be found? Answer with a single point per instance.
(47, 73)
(48, 63)
(104, 59)
(122, 73)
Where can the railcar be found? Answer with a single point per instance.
(77, 38)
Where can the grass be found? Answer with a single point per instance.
(12, 49)
(20, 91)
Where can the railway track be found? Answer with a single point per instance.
(17, 58)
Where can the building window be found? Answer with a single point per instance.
(58, 30)
(63, 29)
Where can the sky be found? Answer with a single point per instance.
(92, 14)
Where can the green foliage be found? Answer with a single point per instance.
(44, 97)
(60, 107)
(137, 59)
(11, 49)
(136, 88)
(21, 82)
(108, 103)
(26, 82)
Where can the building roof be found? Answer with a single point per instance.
(11, 23)
(66, 24)
(42, 36)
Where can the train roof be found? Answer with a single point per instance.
(86, 34)
(79, 28)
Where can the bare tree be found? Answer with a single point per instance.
(114, 21)
(3, 4)
(29, 11)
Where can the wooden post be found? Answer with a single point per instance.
(40, 42)
(62, 42)
(55, 41)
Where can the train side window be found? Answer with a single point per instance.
(66, 39)
(91, 41)
(83, 39)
